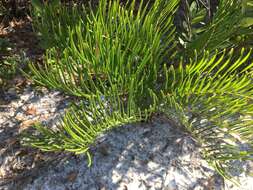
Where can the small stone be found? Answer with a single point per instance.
(12, 91)
(172, 185)
(115, 177)
(25, 97)
(20, 117)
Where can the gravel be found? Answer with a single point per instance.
(154, 155)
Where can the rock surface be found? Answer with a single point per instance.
(151, 156)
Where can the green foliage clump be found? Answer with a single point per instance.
(10, 66)
(229, 27)
(123, 62)
(4, 45)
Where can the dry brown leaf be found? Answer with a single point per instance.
(31, 110)
(39, 157)
(19, 81)
(72, 176)
(11, 141)
(28, 123)
(22, 152)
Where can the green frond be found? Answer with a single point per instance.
(85, 121)
(110, 41)
(212, 98)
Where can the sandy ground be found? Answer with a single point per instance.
(151, 156)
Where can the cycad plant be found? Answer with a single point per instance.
(122, 62)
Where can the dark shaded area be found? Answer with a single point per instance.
(20, 37)
(182, 14)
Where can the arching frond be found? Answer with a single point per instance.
(212, 98)
(85, 121)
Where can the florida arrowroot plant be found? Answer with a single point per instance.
(126, 62)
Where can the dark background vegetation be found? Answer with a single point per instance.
(20, 8)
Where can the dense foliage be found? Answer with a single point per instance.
(126, 62)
